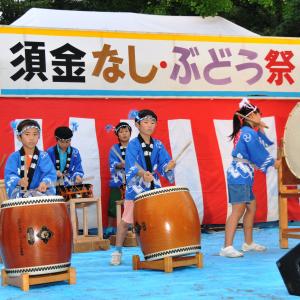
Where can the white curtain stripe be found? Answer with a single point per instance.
(223, 129)
(85, 140)
(187, 169)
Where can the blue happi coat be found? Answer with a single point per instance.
(159, 160)
(75, 168)
(117, 176)
(44, 172)
(249, 153)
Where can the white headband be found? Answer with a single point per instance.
(146, 117)
(26, 128)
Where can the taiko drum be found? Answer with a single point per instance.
(35, 235)
(167, 223)
(291, 141)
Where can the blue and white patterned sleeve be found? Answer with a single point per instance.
(257, 151)
(131, 168)
(116, 174)
(113, 160)
(163, 160)
(77, 167)
(48, 171)
(263, 139)
(11, 173)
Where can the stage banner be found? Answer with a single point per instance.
(53, 62)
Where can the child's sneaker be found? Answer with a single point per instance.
(116, 258)
(230, 252)
(253, 247)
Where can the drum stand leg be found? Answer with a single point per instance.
(283, 222)
(285, 232)
(167, 264)
(24, 281)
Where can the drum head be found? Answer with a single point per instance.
(291, 141)
(161, 191)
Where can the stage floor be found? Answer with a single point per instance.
(255, 276)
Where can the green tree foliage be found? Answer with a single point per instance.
(290, 23)
(188, 7)
(13, 9)
(265, 17)
(259, 16)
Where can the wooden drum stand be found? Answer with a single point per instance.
(24, 281)
(287, 183)
(86, 242)
(167, 264)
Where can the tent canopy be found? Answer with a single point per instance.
(130, 22)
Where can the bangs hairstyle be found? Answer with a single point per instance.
(63, 133)
(122, 125)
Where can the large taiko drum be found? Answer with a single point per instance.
(35, 235)
(167, 223)
(291, 141)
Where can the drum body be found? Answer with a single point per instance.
(167, 223)
(35, 235)
(76, 191)
(291, 141)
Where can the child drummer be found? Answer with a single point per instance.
(29, 171)
(249, 152)
(66, 159)
(117, 173)
(145, 158)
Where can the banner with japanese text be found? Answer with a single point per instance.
(53, 62)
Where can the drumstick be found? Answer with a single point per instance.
(2, 160)
(139, 167)
(85, 179)
(182, 151)
(57, 183)
(142, 169)
(25, 175)
(118, 154)
(248, 119)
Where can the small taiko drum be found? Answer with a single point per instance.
(35, 235)
(167, 223)
(76, 191)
